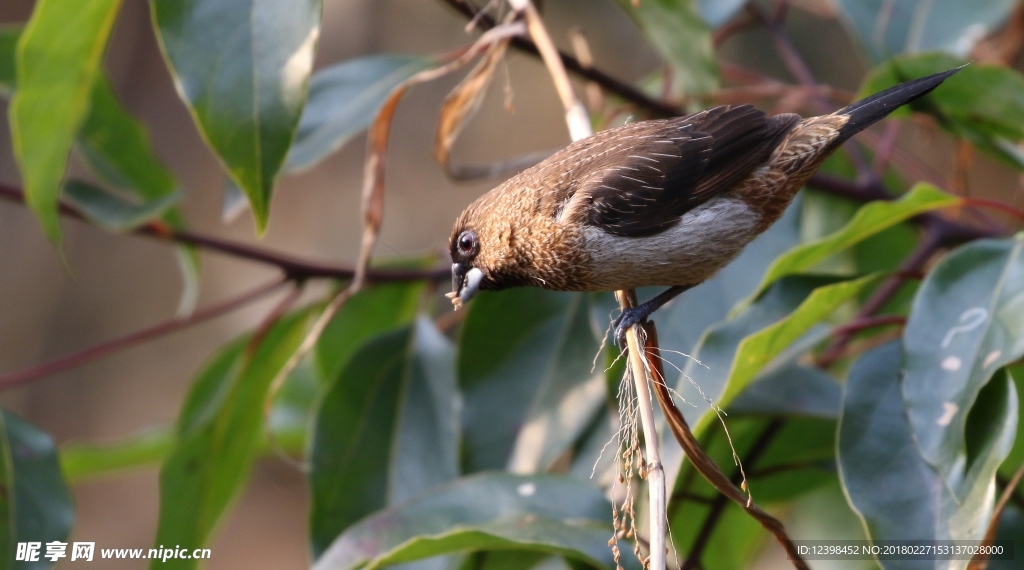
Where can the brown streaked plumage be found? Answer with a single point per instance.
(666, 202)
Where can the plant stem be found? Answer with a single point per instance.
(138, 337)
(655, 470)
(295, 268)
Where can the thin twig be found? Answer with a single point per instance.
(573, 65)
(864, 323)
(295, 268)
(802, 72)
(138, 337)
(980, 560)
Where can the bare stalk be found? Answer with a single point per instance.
(579, 127)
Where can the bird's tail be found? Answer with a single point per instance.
(870, 110)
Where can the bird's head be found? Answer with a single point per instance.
(464, 246)
(483, 250)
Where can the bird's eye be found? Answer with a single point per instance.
(467, 242)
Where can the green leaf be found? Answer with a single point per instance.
(8, 42)
(367, 314)
(897, 494)
(871, 219)
(756, 350)
(982, 103)
(116, 146)
(58, 58)
(112, 211)
(890, 27)
(217, 435)
(386, 430)
(515, 347)
(553, 514)
(343, 100)
(81, 461)
(967, 322)
(677, 31)
(243, 69)
(35, 505)
(790, 390)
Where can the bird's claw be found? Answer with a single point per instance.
(627, 318)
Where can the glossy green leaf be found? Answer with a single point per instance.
(554, 514)
(717, 348)
(515, 347)
(967, 322)
(112, 211)
(35, 503)
(571, 393)
(370, 312)
(117, 147)
(343, 100)
(790, 390)
(56, 66)
(8, 43)
(891, 27)
(386, 430)
(897, 494)
(218, 434)
(704, 374)
(243, 69)
(871, 219)
(983, 103)
(756, 350)
(760, 348)
(675, 28)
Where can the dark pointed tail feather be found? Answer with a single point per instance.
(870, 110)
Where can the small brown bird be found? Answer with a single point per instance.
(666, 202)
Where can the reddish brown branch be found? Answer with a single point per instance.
(294, 268)
(700, 460)
(138, 337)
(864, 323)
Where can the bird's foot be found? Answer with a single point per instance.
(627, 318)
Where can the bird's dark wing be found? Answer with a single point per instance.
(647, 175)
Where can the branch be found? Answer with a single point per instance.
(607, 82)
(701, 462)
(20, 377)
(294, 268)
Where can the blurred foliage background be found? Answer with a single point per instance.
(166, 441)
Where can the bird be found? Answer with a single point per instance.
(652, 203)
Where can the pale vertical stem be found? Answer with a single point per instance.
(579, 127)
(655, 470)
(575, 114)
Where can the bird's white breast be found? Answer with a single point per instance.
(704, 240)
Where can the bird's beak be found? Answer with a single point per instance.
(465, 283)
